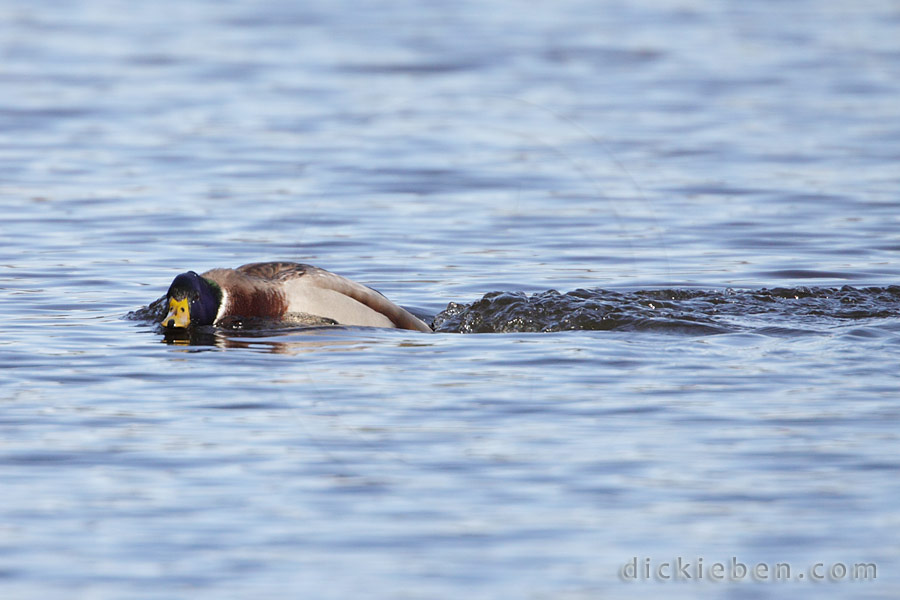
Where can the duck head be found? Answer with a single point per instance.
(192, 300)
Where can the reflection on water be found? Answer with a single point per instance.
(296, 332)
(287, 340)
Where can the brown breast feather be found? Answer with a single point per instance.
(250, 295)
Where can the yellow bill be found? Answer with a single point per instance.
(179, 314)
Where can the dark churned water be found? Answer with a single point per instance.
(670, 227)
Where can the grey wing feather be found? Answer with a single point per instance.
(366, 295)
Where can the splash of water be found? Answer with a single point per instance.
(674, 310)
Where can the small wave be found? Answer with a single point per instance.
(152, 313)
(693, 312)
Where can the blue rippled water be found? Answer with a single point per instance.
(718, 179)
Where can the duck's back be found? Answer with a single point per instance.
(278, 288)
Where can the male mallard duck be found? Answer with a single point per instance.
(274, 289)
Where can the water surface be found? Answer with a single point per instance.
(719, 179)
